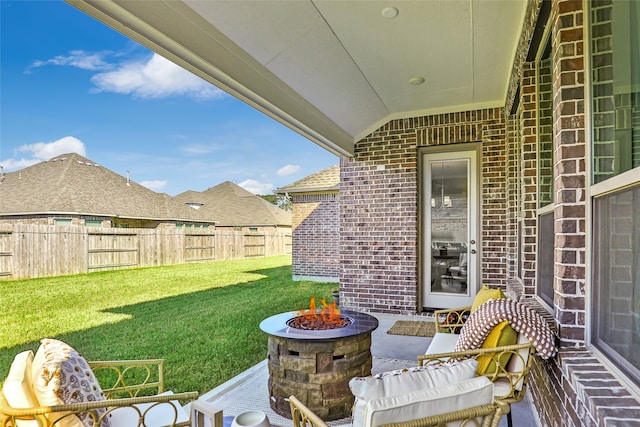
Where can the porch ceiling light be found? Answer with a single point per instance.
(416, 80)
(390, 12)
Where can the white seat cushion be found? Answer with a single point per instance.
(403, 382)
(433, 401)
(442, 343)
(160, 415)
(501, 388)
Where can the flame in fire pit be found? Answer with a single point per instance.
(328, 317)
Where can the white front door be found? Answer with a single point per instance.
(449, 226)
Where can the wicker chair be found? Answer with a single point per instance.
(510, 378)
(478, 416)
(450, 321)
(137, 385)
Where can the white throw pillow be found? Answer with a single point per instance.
(442, 343)
(17, 387)
(406, 381)
(435, 401)
(62, 376)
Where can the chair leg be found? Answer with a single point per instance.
(509, 420)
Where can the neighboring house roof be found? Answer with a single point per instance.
(322, 181)
(232, 205)
(71, 184)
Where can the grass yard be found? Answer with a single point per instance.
(202, 318)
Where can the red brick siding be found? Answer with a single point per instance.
(570, 171)
(575, 388)
(512, 194)
(529, 177)
(493, 193)
(379, 230)
(378, 222)
(316, 232)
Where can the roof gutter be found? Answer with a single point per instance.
(332, 189)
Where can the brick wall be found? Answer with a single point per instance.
(513, 194)
(379, 228)
(575, 388)
(316, 231)
(378, 193)
(493, 193)
(529, 177)
(570, 171)
(545, 132)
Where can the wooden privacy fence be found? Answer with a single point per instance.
(34, 250)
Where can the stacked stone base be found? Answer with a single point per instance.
(317, 373)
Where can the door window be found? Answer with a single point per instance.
(449, 212)
(449, 226)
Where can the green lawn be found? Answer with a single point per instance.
(201, 318)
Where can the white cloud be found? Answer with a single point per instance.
(40, 151)
(199, 149)
(47, 150)
(257, 187)
(288, 170)
(155, 78)
(152, 77)
(78, 58)
(9, 165)
(154, 185)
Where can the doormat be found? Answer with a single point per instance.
(416, 328)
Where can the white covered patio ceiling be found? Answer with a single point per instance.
(334, 70)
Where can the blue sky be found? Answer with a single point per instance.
(71, 84)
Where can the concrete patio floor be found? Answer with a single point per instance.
(248, 391)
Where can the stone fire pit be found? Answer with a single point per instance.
(316, 365)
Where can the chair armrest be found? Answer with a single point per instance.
(38, 413)
(426, 359)
(128, 378)
(514, 373)
(451, 320)
(484, 415)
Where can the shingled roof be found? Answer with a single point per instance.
(325, 180)
(232, 205)
(73, 185)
